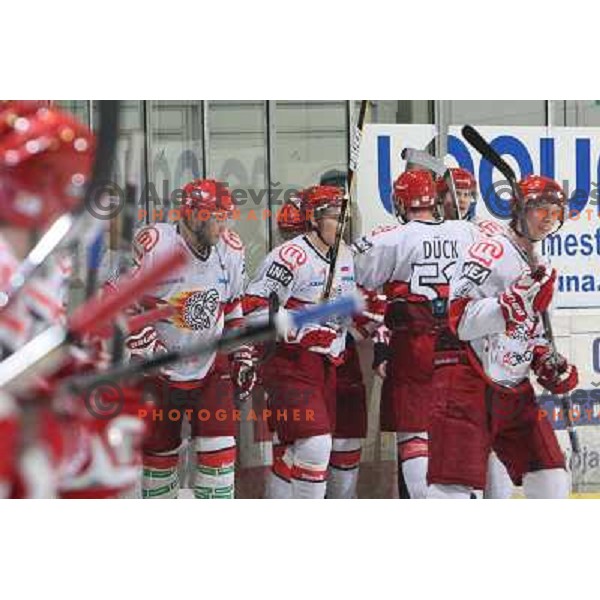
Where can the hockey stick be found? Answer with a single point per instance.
(65, 224)
(488, 153)
(282, 322)
(124, 243)
(44, 351)
(352, 167)
(424, 159)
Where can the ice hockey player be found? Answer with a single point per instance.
(412, 264)
(300, 378)
(458, 199)
(208, 300)
(351, 401)
(499, 290)
(49, 447)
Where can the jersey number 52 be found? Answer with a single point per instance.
(431, 281)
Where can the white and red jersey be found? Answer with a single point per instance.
(413, 262)
(297, 272)
(488, 227)
(41, 303)
(485, 270)
(207, 294)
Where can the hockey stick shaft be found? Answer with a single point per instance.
(283, 320)
(352, 167)
(424, 159)
(30, 359)
(93, 315)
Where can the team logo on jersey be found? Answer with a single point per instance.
(486, 251)
(196, 310)
(147, 238)
(292, 255)
(280, 273)
(490, 227)
(362, 245)
(475, 272)
(232, 239)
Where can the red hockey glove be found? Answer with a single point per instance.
(318, 339)
(530, 294)
(243, 372)
(144, 344)
(553, 372)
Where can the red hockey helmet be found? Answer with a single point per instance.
(291, 218)
(319, 198)
(541, 189)
(538, 190)
(207, 195)
(463, 180)
(414, 189)
(46, 159)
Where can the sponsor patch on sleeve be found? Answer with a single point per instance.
(475, 272)
(280, 273)
(362, 245)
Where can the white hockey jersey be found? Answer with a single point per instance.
(486, 269)
(413, 262)
(41, 303)
(297, 271)
(207, 294)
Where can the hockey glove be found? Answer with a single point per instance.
(529, 295)
(553, 372)
(243, 372)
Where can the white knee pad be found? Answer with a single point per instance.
(345, 444)
(546, 484)
(342, 479)
(279, 479)
(442, 491)
(309, 471)
(499, 485)
(215, 467)
(313, 453)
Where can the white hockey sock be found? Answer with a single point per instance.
(279, 479)
(412, 464)
(442, 491)
(214, 475)
(160, 479)
(546, 484)
(309, 471)
(498, 485)
(344, 461)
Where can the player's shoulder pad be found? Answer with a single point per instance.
(380, 236)
(231, 240)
